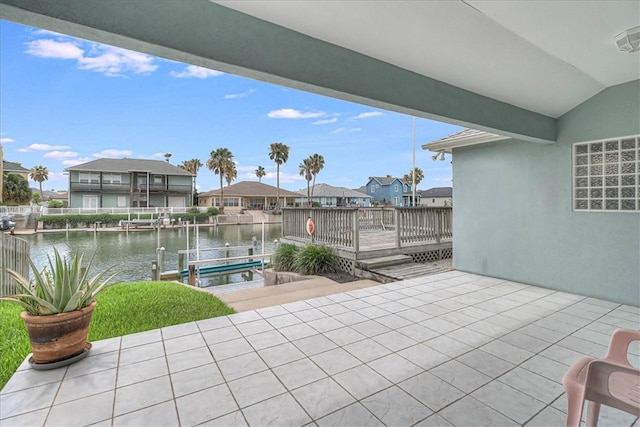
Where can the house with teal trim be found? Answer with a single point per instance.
(545, 196)
(389, 190)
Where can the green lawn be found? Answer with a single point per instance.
(122, 309)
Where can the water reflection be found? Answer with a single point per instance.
(134, 251)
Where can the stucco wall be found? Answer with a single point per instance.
(513, 214)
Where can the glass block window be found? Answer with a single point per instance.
(606, 175)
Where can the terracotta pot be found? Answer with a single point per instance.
(58, 336)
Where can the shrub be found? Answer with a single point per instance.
(284, 257)
(212, 211)
(314, 259)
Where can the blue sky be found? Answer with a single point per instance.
(65, 101)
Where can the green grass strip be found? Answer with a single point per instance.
(123, 309)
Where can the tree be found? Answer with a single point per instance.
(35, 197)
(409, 177)
(192, 166)
(39, 174)
(306, 170)
(16, 190)
(317, 163)
(260, 172)
(218, 162)
(167, 156)
(232, 173)
(279, 153)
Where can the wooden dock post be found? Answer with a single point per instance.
(192, 275)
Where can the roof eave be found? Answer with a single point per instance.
(449, 145)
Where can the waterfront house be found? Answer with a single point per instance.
(389, 190)
(122, 183)
(326, 195)
(436, 197)
(249, 195)
(7, 168)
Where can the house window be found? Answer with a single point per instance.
(122, 201)
(606, 175)
(89, 178)
(111, 178)
(395, 188)
(373, 188)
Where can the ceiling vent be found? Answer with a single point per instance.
(628, 41)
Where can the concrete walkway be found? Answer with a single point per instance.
(441, 350)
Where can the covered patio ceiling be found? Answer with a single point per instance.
(511, 68)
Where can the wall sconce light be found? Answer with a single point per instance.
(628, 41)
(440, 154)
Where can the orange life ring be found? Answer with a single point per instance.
(311, 226)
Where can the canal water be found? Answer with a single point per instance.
(133, 252)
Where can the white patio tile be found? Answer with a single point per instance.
(213, 323)
(280, 354)
(417, 332)
(370, 328)
(295, 332)
(292, 307)
(325, 324)
(548, 417)
(525, 342)
(196, 379)
(460, 376)
(470, 337)
(423, 356)
(448, 346)
(255, 388)
(344, 336)
(273, 311)
(220, 335)
(314, 344)
(30, 419)
(395, 368)
(471, 412)
(182, 343)
(141, 395)
(395, 341)
(350, 317)
(361, 381)
(266, 339)
(161, 415)
(93, 363)
(392, 321)
(240, 366)
(394, 306)
(546, 367)
(231, 348)
(87, 410)
(333, 309)
(509, 401)
(583, 346)
(189, 359)
(141, 338)
(142, 371)
(323, 397)
(141, 353)
(486, 363)
(562, 354)
(281, 410)
(541, 333)
(394, 406)
(299, 373)
(310, 314)
(180, 330)
(32, 378)
(506, 351)
(23, 401)
(105, 346)
(352, 415)
(192, 411)
(367, 350)
(284, 320)
(319, 301)
(86, 385)
(431, 391)
(532, 384)
(254, 327)
(247, 316)
(334, 361)
(415, 315)
(440, 325)
(434, 420)
(234, 419)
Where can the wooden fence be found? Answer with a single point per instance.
(342, 226)
(14, 253)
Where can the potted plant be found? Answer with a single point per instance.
(58, 306)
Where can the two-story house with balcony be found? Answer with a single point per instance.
(121, 183)
(389, 190)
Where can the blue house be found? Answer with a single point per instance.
(389, 190)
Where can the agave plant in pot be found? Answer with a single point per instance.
(58, 305)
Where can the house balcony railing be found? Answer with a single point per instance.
(97, 186)
(163, 188)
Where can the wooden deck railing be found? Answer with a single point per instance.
(14, 254)
(342, 226)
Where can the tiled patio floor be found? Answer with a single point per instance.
(448, 349)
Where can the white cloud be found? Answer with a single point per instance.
(346, 130)
(286, 178)
(60, 154)
(193, 71)
(74, 162)
(325, 121)
(113, 153)
(108, 60)
(43, 147)
(6, 140)
(240, 95)
(367, 115)
(289, 113)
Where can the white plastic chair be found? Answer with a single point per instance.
(611, 381)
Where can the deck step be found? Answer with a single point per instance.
(369, 264)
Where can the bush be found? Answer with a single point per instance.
(57, 203)
(212, 211)
(314, 259)
(284, 257)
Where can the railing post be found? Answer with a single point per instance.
(396, 219)
(438, 225)
(356, 231)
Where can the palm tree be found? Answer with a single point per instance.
(192, 166)
(260, 172)
(218, 162)
(409, 177)
(317, 163)
(167, 156)
(39, 174)
(306, 170)
(231, 173)
(16, 190)
(279, 153)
